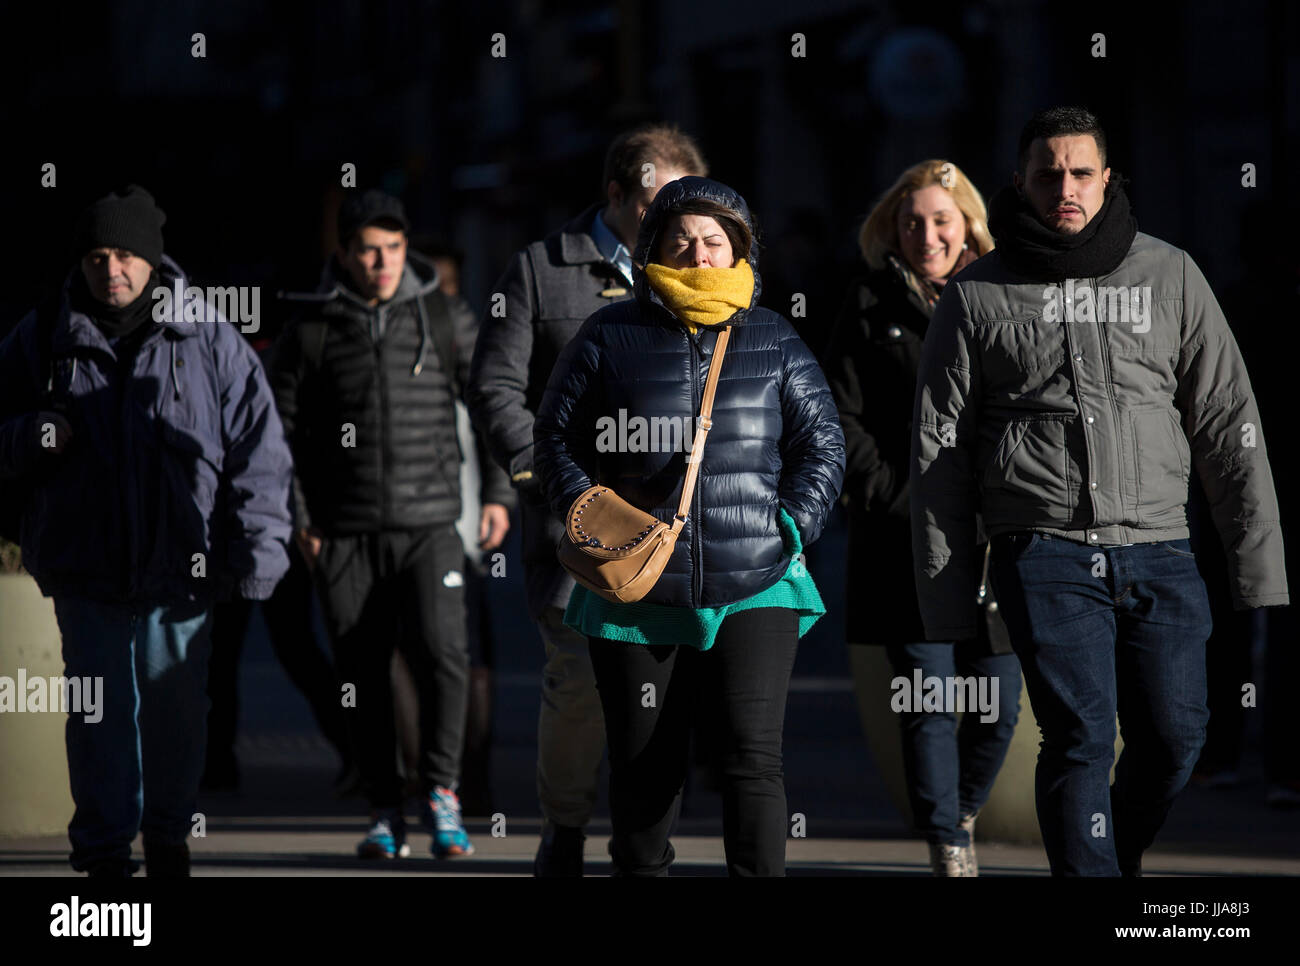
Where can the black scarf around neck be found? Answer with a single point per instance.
(1037, 252)
(115, 321)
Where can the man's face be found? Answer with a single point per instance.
(627, 209)
(1064, 181)
(115, 276)
(374, 259)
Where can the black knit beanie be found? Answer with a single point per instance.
(129, 219)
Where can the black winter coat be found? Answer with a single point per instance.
(871, 364)
(775, 442)
(373, 429)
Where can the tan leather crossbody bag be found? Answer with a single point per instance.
(618, 551)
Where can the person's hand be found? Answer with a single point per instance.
(309, 541)
(52, 432)
(493, 523)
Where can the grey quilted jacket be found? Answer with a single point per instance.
(1080, 410)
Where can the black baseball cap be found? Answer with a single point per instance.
(370, 207)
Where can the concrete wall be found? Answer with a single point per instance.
(35, 798)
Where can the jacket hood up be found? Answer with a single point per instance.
(689, 188)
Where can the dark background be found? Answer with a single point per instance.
(243, 148)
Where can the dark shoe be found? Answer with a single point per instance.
(166, 860)
(559, 856)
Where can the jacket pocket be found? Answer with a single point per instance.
(1161, 460)
(187, 511)
(1027, 479)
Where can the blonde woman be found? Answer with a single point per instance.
(924, 230)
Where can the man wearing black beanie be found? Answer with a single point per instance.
(152, 478)
(118, 241)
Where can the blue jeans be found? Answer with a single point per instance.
(138, 767)
(950, 770)
(1100, 631)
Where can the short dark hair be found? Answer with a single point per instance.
(661, 144)
(733, 226)
(1055, 122)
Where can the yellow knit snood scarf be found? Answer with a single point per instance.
(703, 296)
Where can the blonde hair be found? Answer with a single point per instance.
(879, 234)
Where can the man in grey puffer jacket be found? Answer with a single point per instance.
(1070, 382)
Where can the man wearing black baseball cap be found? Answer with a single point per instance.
(366, 383)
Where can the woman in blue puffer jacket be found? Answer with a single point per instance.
(724, 619)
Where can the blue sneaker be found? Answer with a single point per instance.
(387, 836)
(441, 816)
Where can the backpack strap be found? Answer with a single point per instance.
(313, 333)
(443, 334)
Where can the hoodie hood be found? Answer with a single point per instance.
(674, 193)
(419, 278)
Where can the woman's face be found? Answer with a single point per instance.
(931, 231)
(694, 241)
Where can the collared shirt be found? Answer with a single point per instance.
(608, 245)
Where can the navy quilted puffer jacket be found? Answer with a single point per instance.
(775, 442)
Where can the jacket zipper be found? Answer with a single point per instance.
(383, 423)
(1114, 405)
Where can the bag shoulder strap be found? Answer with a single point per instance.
(702, 431)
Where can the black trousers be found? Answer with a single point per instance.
(734, 695)
(405, 589)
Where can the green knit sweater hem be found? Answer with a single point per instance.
(641, 623)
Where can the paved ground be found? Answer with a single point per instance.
(285, 821)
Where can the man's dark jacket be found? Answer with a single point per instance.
(550, 289)
(369, 409)
(174, 485)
